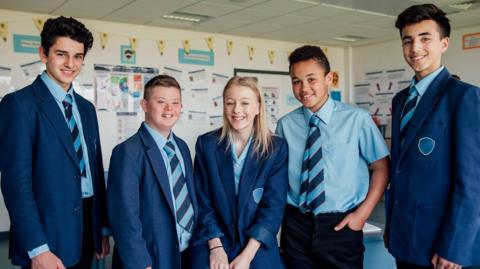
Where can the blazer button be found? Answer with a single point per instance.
(396, 202)
(76, 177)
(76, 209)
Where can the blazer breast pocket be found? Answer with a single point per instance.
(429, 143)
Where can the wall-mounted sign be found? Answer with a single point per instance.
(127, 55)
(471, 41)
(198, 57)
(26, 43)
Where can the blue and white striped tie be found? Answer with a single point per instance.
(312, 189)
(408, 110)
(72, 125)
(183, 204)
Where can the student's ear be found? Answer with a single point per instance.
(329, 78)
(42, 54)
(143, 104)
(444, 44)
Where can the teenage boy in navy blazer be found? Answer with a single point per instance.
(51, 160)
(433, 217)
(151, 197)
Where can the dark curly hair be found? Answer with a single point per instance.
(65, 27)
(418, 13)
(309, 52)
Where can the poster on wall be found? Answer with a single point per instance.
(376, 94)
(126, 125)
(32, 70)
(119, 88)
(127, 55)
(271, 97)
(5, 81)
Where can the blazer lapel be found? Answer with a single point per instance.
(422, 112)
(157, 163)
(396, 122)
(249, 177)
(50, 107)
(88, 132)
(225, 166)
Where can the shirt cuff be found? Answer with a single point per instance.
(106, 231)
(38, 250)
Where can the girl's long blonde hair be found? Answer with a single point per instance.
(262, 136)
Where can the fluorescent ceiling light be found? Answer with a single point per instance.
(346, 39)
(374, 13)
(349, 38)
(337, 7)
(307, 2)
(357, 10)
(185, 17)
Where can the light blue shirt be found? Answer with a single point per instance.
(182, 234)
(424, 83)
(86, 182)
(350, 141)
(239, 161)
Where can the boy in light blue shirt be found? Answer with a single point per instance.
(331, 146)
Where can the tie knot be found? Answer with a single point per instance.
(314, 120)
(169, 148)
(68, 100)
(413, 91)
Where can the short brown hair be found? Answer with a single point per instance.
(160, 80)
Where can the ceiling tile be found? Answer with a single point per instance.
(250, 15)
(31, 5)
(382, 23)
(253, 29)
(462, 20)
(163, 6)
(319, 12)
(210, 9)
(240, 3)
(217, 25)
(353, 17)
(288, 20)
(84, 8)
(282, 6)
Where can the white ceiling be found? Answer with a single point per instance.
(303, 21)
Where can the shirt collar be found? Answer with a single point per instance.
(56, 90)
(424, 83)
(159, 139)
(324, 113)
(244, 152)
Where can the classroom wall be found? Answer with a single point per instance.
(388, 55)
(148, 56)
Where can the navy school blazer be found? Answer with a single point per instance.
(257, 210)
(434, 205)
(41, 177)
(141, 213)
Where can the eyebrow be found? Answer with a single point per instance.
(421, 34)
(66, 52)
(308, 75)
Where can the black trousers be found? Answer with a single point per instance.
(88, 247)
(310, 242)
